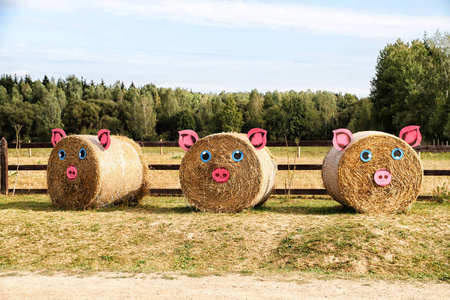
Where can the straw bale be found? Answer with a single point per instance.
(112, 176)
(350, 181)
(250, 183)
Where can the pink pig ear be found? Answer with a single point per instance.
(411, 135)
(258, 137)
(187, 139)
(342, 137)
(104, 138)
(57, 134)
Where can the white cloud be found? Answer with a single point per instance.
(60, 6)
(278, 16)
(21, 73)
(284, 15)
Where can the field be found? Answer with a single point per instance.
(284, 237)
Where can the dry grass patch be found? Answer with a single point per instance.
(408, 245)
(163, 235)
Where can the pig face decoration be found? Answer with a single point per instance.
(373, 171)
(72, 158)
(88, 171)
(226, 172)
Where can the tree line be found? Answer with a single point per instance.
(152, 113)
(411, 86)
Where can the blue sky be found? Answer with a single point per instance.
(212, 46)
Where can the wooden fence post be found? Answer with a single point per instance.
(4, 166)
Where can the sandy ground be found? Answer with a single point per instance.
(157, 286)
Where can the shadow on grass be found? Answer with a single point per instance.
(175, 205)
(153, 209)
(28, 205)
(40, 205)
(306, 210)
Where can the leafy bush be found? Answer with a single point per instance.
(441, 194)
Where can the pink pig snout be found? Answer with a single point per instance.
(221, 175)
(72, 172)
(383, 177)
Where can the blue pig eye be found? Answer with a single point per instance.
(62, 154)
(82, 153)
(366, 155)
(237, 155)
(205, 156)
(397, 154)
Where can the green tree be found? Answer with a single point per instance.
(117, 92)
(207, 118)
(26, 90)
(4, 97)
(182, 120)
(142, 120)
(276, 122)
(16, 112)
(73, 88)
(411, 87)
(169, 103)
(230, 116)
(46, 81)
(439, 49)
(345, 100)
(7, 82)
(48, 111)
(357, 116)
(302, 120)
(326, 105)
(81, 117)
(253, 113)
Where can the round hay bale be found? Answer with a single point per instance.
(85, 171)
(372, 171)
(226, 172)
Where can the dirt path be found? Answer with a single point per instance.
(154, 286)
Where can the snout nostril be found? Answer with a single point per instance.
(381, 177)
(385, 177)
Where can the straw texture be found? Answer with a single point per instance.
(350, 181)
(250, 183)
(112, 176)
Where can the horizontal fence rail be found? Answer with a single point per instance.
(422, 148)
(166, 167)
(5, 167)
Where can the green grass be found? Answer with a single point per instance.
(303, 235)
(445, 156)
(306, 152)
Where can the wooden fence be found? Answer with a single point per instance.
(5, 167)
